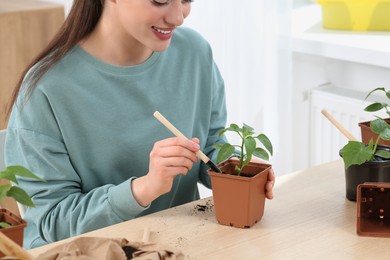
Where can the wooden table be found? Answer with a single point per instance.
(309, 218)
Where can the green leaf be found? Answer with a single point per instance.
(378, 105)
(385, 135)
(4, 225)
(231, 128)
(250, 145)
(222, 132)
(245, 162)
(261, 153)
(247, 127)
(225, 152)
(8, 175)
(20, 196)
(247, 130)
(383, 154)
(23, 172)
(234, 127)
(266, 142)
(218, 146)
(356, 153)
(374, 90)
(375, 107)
(378, 126)
(3, 191)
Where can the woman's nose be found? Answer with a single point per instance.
(177, 13)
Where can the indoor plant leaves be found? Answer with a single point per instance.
(13, 191)
(248, 147)
(357, 153)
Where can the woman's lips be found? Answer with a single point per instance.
(163, 33)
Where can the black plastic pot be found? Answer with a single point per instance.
(373, 171)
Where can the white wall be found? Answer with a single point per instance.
(298, 3)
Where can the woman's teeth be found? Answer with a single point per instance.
(161, 31)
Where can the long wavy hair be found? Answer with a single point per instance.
(80, 22)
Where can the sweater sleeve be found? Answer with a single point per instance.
(64, 207)
(217, 123)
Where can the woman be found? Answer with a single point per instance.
(82, 118)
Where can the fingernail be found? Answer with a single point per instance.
(196, 146)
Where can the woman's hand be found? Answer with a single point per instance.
(168, 158)
(269, 186)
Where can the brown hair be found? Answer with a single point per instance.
(82, 19)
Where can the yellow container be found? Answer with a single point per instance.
(357, 15)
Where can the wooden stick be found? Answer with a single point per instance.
(176, 132)
(146, 235)
(10, 248)
(338, 125)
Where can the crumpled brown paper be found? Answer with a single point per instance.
(94, 248)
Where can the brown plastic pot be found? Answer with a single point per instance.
(372, 216)
(16, 232)
(239, 201)
(367, 134)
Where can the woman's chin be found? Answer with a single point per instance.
(162, 46)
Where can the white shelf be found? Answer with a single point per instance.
(310, 37)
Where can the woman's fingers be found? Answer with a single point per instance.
(169, 158)
(175, 147)
(270, 184)
(175, 141)
(177, 152)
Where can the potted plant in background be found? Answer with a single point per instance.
(366, 132)
(11, 224)
(239, 192)
(367, 162)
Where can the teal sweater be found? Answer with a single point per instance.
(88, 129)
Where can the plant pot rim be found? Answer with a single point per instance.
(367, 123)
(17, 219)
(235, 176)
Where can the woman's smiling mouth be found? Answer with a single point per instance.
(162, 34)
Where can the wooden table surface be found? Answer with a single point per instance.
(309, 218)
